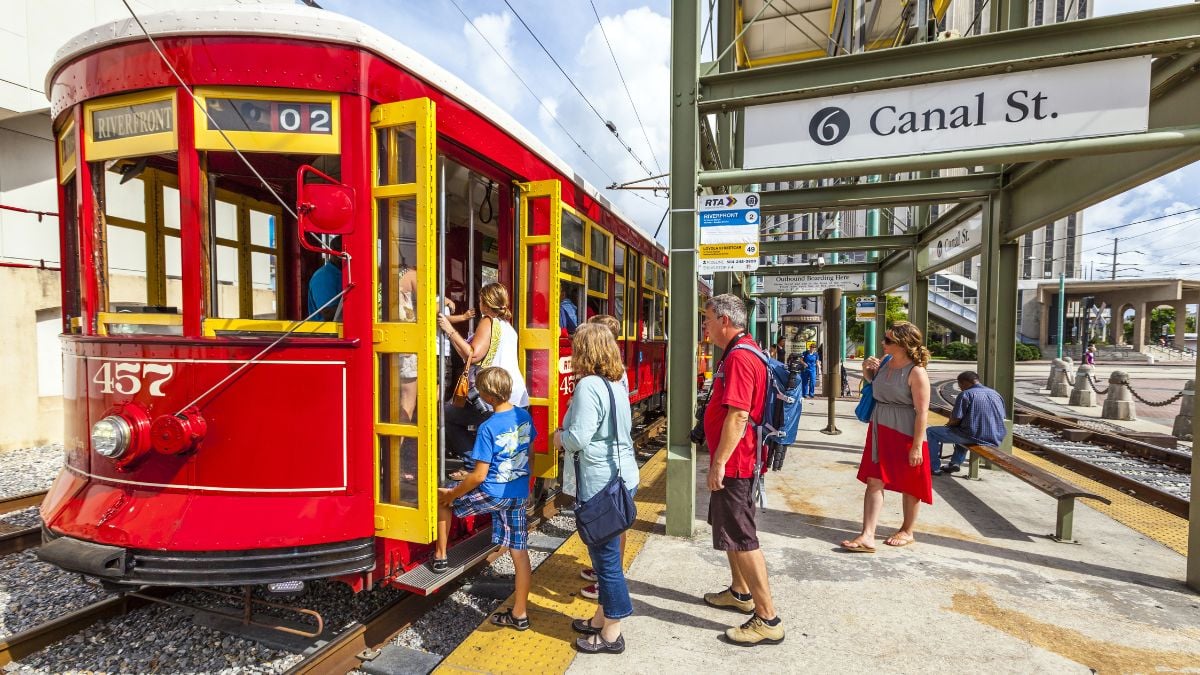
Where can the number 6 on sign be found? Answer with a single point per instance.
(122, 378)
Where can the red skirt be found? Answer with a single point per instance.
(893, 468)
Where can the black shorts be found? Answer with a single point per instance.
(731, 514)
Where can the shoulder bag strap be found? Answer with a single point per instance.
(612, 416)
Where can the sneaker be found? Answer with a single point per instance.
(589, 574)
(755, 632)
(952, 468)
(590, 592)
(725, 600)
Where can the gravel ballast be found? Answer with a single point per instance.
(29, 469)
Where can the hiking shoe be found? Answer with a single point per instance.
(590, 592)
(755, 632)
(589, 574)
(725, 600)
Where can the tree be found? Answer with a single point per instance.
(855, 330)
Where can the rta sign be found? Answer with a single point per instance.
(829, 126)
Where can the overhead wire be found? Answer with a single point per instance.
(541, 103)
(607, 123)
(625, 86)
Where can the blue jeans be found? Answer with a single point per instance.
(808, 382)
(939, 435)
(610, 579)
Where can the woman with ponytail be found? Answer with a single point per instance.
(494, 343)
(895, 455)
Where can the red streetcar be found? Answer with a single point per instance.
(220, 429)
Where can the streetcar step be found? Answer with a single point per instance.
(461, 557)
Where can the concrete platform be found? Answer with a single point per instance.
(982, 590)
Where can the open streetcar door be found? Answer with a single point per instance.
(403, 279)
(538, 242)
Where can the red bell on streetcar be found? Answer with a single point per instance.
(177, 434)
(324, 208)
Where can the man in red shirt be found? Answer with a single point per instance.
(735, 407)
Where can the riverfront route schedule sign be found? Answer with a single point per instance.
(814, 283)
(728, 232)
(1076, 101)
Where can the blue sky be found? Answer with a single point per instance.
(639, 33)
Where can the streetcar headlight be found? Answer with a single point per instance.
(111, 436)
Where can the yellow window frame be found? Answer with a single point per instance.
(245, 248)
(68, 157)
(268, 141)
(156, 233)
(145, 144)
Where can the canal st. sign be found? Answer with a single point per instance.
(1075, 101)
(962, 241)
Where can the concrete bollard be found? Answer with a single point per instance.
(1187, 407)
(1057, 382)
(1082, 395)
(1118, 403)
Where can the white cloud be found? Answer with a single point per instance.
(492, 75)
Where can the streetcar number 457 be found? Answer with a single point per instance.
(129, 378)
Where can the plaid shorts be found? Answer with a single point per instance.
(509, 525)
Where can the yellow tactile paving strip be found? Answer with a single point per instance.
(548, 646)
(1165, 528)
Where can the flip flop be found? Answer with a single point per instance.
(851, 547)
(902, 541)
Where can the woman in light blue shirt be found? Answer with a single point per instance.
(597, 429)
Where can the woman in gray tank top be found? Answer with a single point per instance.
(895, 455)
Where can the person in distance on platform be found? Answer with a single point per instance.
(895, 453)
(597, 433)
(499, 485)
(1089, 356)
(734, 408)
(977, 419)
(808, 377)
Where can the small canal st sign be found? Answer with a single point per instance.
(728, 232)
(1075, 101)
(961, 242)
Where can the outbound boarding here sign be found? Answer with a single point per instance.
(814, 283)
(1075, 101)
(728, 232)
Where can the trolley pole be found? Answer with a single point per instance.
(681, 350)
(833, 375)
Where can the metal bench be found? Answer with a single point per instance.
(1066, 493)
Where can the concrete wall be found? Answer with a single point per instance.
(31, 411)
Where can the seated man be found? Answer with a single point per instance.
(325, 283)
(499, 485)
(977, 419)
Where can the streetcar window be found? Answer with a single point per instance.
(600, 243)
(70, 259)
(631, 291)
(139, 200)
(571, 267)
(647, 317)
(245, 268)
(572, 232)
(400, 144)
(597, 292)
(397, 253)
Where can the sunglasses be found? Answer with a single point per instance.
(888, 341)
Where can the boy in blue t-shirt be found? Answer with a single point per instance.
(499, 485)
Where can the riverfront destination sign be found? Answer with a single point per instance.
(728, 232)
(814, 283)
(1075, 101)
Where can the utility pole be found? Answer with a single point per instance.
(1114, 262)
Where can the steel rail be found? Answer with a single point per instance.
(21, 501)
(1167, 459)
(19, 645)
(19, 540)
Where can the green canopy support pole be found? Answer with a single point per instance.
(997, 326)
(1193, 554)
(681, 350)
(872, 231)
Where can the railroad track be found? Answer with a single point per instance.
(362, 640)
(27, 537)
(1155, 475)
